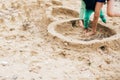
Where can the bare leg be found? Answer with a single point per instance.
(110, 9)
(96, 17)
(81, 24)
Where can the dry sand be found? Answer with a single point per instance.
(28, 52)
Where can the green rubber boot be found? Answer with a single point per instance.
(87, 18)
(102, 16)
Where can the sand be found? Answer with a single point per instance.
(29, 52)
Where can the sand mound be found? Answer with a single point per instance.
(60, 12)
(56, 2)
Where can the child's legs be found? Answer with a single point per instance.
(87, 18)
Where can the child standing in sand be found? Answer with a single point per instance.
(110, 12)
(87, 8)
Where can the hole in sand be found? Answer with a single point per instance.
(68, 30)
(103, 48)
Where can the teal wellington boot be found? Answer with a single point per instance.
(102, 16)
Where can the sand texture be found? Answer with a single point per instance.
(41, 40)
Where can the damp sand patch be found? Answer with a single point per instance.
(65, 32)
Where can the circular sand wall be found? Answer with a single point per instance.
(60, 12)
(65, 32)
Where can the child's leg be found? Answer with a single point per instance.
(102, 16)
(82, 13)
(82, 10)
(96, 17)
(87, 18)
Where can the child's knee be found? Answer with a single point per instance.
(110, 14)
